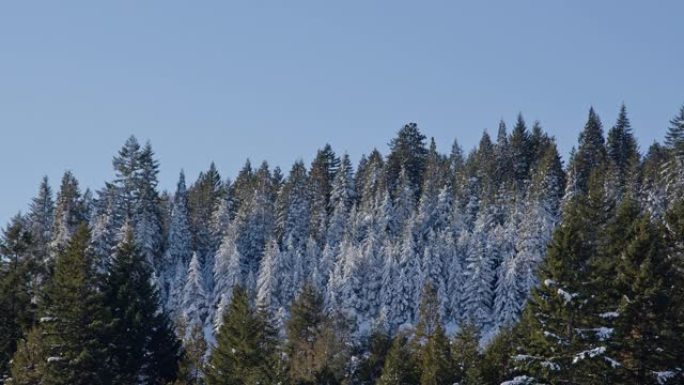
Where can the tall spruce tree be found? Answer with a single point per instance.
(145, 350)
(623, 156)
(69, 212)
(74, 320)
(179, 249)
(558, 344)
(407, 151)
(590, 154)
(648, 331)
(41, 217)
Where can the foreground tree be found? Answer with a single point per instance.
(73, 323)
(145, 348)
(17, 270)
(648, 334)
(245, 346)
(400, 366)
(315, 346)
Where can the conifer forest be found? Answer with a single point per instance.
(506, 264)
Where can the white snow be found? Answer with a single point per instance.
(609, 314)
(664, 376)
(567, 297)
(519, 380)
(603, 333)
(591, 353)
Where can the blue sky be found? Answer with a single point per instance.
(228, 80)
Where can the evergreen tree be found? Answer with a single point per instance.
(648, 332)
(408, 152)
(400, 366)
(623, 154)
(674, 138)
(432, 345)
(242, 249)
(521, 152)
(315, 342)
(17, 310)
(497, 364)
(41, 217)
(245, 347)
(409, 281)
(193, 363)
(466, 357)
(138, 200)
(556, 343)
(69, 212)
(105, 223)
(204, 198)
(194, 299)
(29, 364)
(376, 348)
(147, 216)
(590, 154)
(480, 273)
(74, 320)
(146, 349)
(179, 248)
(674, 143)
(321, 176)
(653, 184)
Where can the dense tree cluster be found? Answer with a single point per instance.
(415, 267)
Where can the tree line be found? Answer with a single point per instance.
(501, 265)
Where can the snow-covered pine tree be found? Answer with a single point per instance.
(178, 251)
(341, 198)
(239, 255)
(194, 297)
(508, 299)
(136, 184)
(69, 212)
(652, 193)
(268, 295)
(147, 216)
(674, 168)
(504, 156)
(409, 280)
(405, 201)
(296, 225)
(539, 219)
(228, 272)
(480, 273)
(204, 197)
(40, 219)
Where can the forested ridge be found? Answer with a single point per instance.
(501, 265)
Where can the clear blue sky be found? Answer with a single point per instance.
(227, 80)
